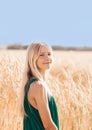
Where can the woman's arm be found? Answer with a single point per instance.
(41, 99)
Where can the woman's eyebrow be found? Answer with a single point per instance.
(45, 52)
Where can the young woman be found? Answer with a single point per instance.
(40, 110)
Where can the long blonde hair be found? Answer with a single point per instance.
(31, 69)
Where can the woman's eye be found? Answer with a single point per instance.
(46, 54)
(41, 54)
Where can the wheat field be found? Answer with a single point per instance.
(71, 84)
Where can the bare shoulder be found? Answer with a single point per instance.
(36, 84)
(37, 87)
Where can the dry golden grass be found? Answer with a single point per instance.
(72, 88)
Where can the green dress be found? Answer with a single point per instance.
(32, 120)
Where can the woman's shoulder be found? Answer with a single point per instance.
(37, 85)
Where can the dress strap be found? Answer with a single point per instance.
(31, 81)
(28, 85)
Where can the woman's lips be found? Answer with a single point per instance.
(47, 63)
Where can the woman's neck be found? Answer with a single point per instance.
(43, 75)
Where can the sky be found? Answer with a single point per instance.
(56, 22)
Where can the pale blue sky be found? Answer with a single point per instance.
(57, 22)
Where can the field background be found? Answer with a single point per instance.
(72, 88)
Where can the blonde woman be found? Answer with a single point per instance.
(39, 105)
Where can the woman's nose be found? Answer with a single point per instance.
(47, 58)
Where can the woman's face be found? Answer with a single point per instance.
(44, 60)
